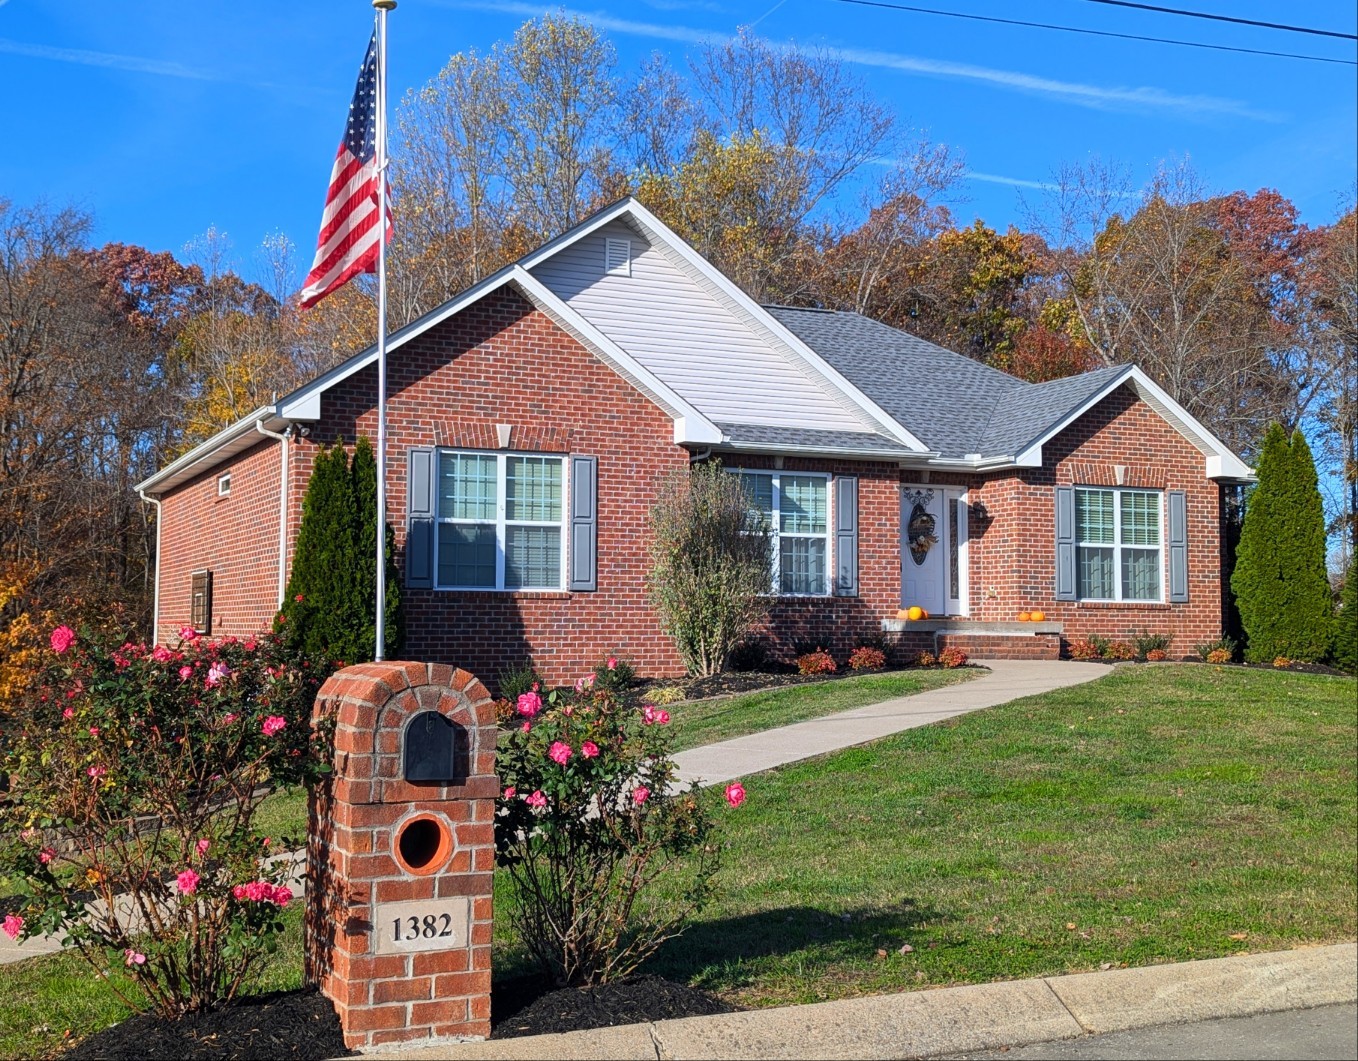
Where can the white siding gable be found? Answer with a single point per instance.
(689, 337)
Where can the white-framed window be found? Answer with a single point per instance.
(501, 519)
(224, 485)
(1119, 544)
(795, 506)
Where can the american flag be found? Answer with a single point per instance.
(347, 244)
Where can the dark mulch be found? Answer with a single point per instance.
(732, 682)
(633, 1001)
(300, 1025)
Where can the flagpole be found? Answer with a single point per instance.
(382, 6)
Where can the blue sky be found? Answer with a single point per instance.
(163, 118)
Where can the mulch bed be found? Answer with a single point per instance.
(732, 682)
(302, 1026)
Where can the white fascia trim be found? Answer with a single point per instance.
(305, 402)
(690, 426)
(205, 451)
(813, 451)
(574, 235)
(879, 416)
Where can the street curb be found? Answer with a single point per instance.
(958, 1019)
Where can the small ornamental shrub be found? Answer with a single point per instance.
(1122, 650)
(518, 679)
(1157, 655)
(589, 816)
(137, 777)
(614, 673)
(1221, 644)
(711, 564)
(952, 657)
(1281, 662)
(817, 662)
(1084, 648)
(665, 695)
(1146, 643)
(1218, 655)
(925, 659)
(751, 654)
(867, 658)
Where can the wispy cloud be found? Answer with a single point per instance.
(668, 5)
(1013, 182)
(1098, 97)
(133, 63)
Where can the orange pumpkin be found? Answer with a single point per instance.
(1037, 616)
(923, 613)
(915, 612)
(1023, 617)
(903, 613)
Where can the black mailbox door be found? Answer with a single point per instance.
(435, 749)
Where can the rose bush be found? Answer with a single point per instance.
(136, 780)
(589, 816)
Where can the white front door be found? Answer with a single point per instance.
(933, 549)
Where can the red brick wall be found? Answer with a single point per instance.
(235, 537)
(1013, 558)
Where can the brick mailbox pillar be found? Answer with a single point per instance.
(401, 852)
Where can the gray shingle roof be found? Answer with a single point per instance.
(951, 403)
(863, 442)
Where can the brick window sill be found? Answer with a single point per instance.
(511, 594)
(1140, 606)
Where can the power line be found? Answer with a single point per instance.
(1096, 32)
(1226, 18)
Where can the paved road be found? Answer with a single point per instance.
(1330, 1032)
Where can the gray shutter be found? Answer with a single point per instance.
(846, 536)
(1178, 547)
(1065, 543)
(421, 499)
(584, 525)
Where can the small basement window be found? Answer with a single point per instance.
(200, 602)
(224, 485)
(618, 256)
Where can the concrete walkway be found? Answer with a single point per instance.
(718, 763)
(960, 1020)
(714, 764)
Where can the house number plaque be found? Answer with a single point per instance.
(430, 924)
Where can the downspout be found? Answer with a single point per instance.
(282, 505)
(698, 458)
(155, 594)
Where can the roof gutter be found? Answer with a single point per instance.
(820, 451)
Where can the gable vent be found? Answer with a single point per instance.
(618, 256)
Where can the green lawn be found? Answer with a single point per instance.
(1159, 814)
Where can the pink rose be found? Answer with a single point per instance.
(648, 714)
(68, 713)
(94, 731)
(238, 893)
(97, 772)
(161, 654)
(526, 726)
(257, 891)
(587, 682)
(537, 800)
(509, 792)
(589, 749)
(640, 795)
(46, 855)
(131, 957)
(63, 637)
(216, 673)
(188, 882)
(273, 724)
(662, 717)
(559, 752)
(202, 846)
(226, 721)
(282, 895)
(735, 793)
(612, 662)
(13, 926)
(185, 673)
(529, 704)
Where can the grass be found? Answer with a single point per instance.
(1159, 814)
(709, 721)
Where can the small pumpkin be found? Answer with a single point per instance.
(1023, 617)
(1037, 616)
(903, 613)
(914, 612)
(924, 613)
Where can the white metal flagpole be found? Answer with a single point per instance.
(382, 6)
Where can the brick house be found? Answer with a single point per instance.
(531, 418)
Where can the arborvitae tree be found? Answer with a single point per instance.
(1346, 623)
(1279, 581)
(330, 604)
(363, 476)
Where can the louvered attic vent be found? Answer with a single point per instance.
(618, 256)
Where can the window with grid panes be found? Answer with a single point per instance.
(1118, 544)
(795, 507)
(500, 521)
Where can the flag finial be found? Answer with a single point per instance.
(385, 5)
